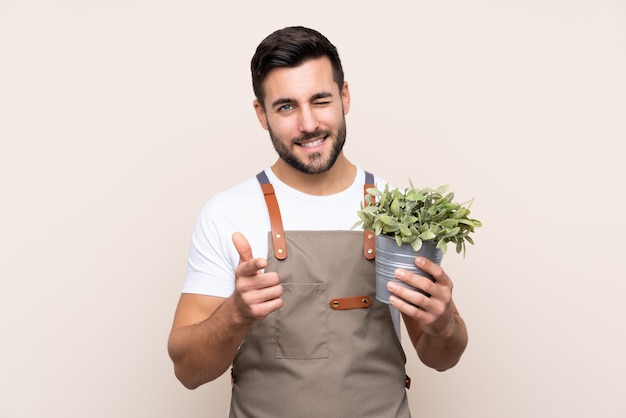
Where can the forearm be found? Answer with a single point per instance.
(202, 352)
(443, 352)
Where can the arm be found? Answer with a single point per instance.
(205, 335)
(436, 328)
(207, 330)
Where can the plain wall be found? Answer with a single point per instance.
(119, 119)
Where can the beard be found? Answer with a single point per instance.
(315, 163)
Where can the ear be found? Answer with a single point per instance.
(260, 113)
(345, 98)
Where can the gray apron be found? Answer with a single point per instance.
(331, 351)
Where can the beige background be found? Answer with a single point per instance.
(119, 119)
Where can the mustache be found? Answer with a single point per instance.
(311, 135)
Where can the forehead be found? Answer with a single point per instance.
(312, 77)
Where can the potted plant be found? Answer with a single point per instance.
(410, 223)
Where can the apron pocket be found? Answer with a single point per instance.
(301, 323)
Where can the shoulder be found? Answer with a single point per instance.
(240, 208)
(234, 200)
(247, 189)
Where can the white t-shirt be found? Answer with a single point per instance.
(212, 255)
(213, 258)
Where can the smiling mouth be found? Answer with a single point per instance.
(313, 144)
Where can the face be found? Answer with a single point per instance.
(304, 112)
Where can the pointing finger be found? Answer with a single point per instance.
(252, 265)
(243, 247)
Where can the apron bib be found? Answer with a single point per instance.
(331, 350)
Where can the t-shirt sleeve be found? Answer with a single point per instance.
(210, 270)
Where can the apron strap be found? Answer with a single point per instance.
(276, 221)
(369, 242)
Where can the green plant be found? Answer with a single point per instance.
(416, 215)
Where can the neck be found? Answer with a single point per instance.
(338, 178)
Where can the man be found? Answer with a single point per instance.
(292, 310)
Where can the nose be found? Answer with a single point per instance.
(308, 121)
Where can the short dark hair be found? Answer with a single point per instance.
(289, 47)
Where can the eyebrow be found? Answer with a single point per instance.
(286, 100)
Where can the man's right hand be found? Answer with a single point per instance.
(208, 330)
(257, 294)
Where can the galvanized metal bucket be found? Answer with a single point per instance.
(390, 257)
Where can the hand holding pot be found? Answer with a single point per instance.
(434, 313)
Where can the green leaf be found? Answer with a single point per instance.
(369, 210)
(416, 245)
(358, 223)
(391, 228)
(374, 191)
(449, 223)
(395, 207)
(452, 232)
(388, 220)
(460, 213)
(382, 200)
(427, 235)
(414, 195)
(442, 246)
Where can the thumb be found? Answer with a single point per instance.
(247, 265)
(243, 247)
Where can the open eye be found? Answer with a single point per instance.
(285, 108)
